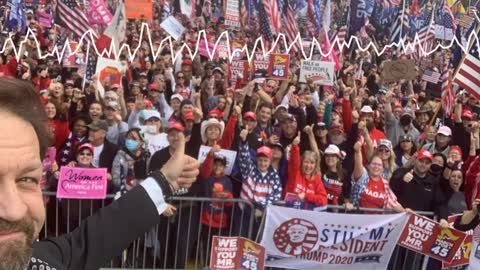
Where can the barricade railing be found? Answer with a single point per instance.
(183, 241)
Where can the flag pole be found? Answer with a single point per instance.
(88, 59)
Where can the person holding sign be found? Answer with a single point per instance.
(303, 177)
(22, 212)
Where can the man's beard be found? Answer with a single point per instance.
(15, 254)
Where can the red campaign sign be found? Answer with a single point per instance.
(462, 256)
(260, 62)
(425, 236)
(236, 253)
(238, 69)
(112, 73)
(279, 64)
(236, 47)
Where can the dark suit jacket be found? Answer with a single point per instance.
(108, 155)
(100, 237)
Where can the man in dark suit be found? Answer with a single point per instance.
(22, 214)
(104, 151)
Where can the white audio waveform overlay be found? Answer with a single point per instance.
(88, 37)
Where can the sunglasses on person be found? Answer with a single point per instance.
(376, 164)
(383, 150)
(88, 154)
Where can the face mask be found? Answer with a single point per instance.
(131, 145)
(436, 169)
(405, 121)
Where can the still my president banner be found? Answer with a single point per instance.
(301, 239)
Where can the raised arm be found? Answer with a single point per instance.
(358, 164)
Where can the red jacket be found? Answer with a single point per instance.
(297, 182)
(347, 115)
(60, 131)
(9, 69)
(471, 168)
(224, 143)
(41, 83)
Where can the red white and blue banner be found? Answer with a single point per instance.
(302, 239)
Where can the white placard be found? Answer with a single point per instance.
(173, 27)
(320, 72)
(228, 154)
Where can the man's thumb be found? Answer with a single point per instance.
(180, 150)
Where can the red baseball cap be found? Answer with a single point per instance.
(115, 85)
(424, 154)
(264, 150)
(153, 87)
(455, 148)
(216, 112)
(467, 114)
(147, 103)
(250, 115)
(189, 116)
(85, 145)
(177, 126)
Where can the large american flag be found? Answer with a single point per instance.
(290, 26)
(271, 10)
(448, 18)
(314, 14)
(73, 17)
(468, 74)
(448, 97)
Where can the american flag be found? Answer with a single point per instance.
(476, 233)
(271, 10)
(314, 14)
(342, 29)
(426, 35)
(166, 9)
(399, 28)
(448, 18)
(448, 97)
(468, 74)
(73, 17)
(465, 20)
(431, 76)
(91, 66)
(290, 25)
(264, 25)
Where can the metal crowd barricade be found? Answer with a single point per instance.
(178, 242)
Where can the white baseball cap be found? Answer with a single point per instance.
(366, 109)
(444, 130)
(332, 150)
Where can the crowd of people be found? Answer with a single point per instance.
(360, 142)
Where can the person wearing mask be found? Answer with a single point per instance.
(438, 166)
(442, 141)
(261, 184)
(155, 138)
(418, 190)
(103, 151)
(130, 163)
(116, 126)
(303, 177)
(396, 127)
(369, 188)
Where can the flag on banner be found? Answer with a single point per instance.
(448, 97)
(301, 239)
(16, 20)
(290, 26)
(73, 17)
(114, 35)
(468, 74)
(431, 76)
(400, 27)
